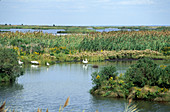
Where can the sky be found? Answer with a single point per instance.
(85, 12)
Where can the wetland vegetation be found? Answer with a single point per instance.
(94, 46)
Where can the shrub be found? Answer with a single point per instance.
(164, 79)
(98, 78)
(9, 67)
(166, 50)
(146, 72)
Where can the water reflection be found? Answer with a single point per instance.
(34, 66)
(11, 93)
(102, 104)
(85, 66)
(10, 87)
(148, 106)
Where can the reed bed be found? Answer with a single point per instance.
(120, 40)
(119, 44)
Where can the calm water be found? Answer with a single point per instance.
(53, 31)
(112, 29)
(49, 87)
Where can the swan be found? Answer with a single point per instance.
(34, 62)
(48, 64)
(20, 62)
(85, 62)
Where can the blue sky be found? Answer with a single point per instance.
(85, 12)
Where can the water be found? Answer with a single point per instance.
(49, 87)
(53, 31)
(112, 29)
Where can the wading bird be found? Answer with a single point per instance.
(20, 62)
(85, 62)
(47, 64)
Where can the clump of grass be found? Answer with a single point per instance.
(2, 107)
(131, 108)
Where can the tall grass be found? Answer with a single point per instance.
(121, 40)
(37, 44)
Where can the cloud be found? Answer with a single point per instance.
(137, 2)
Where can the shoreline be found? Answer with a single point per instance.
(163, 97)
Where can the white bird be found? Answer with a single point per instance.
(48, 64)
(20, 62)
(34, 62)
(85, 62)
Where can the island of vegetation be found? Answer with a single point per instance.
(144, 80)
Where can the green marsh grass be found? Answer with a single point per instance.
(94, 46)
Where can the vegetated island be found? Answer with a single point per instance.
(144, 80)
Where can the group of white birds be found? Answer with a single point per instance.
(36, 62)
(32, 62)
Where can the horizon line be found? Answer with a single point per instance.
(88, 24)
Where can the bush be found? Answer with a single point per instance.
(9, 67)
(166, 50)
(146, 72)
(143, 80)
(164, 79)
(98, 78)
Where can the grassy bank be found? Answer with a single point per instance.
(92, 56)
(116, 55)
